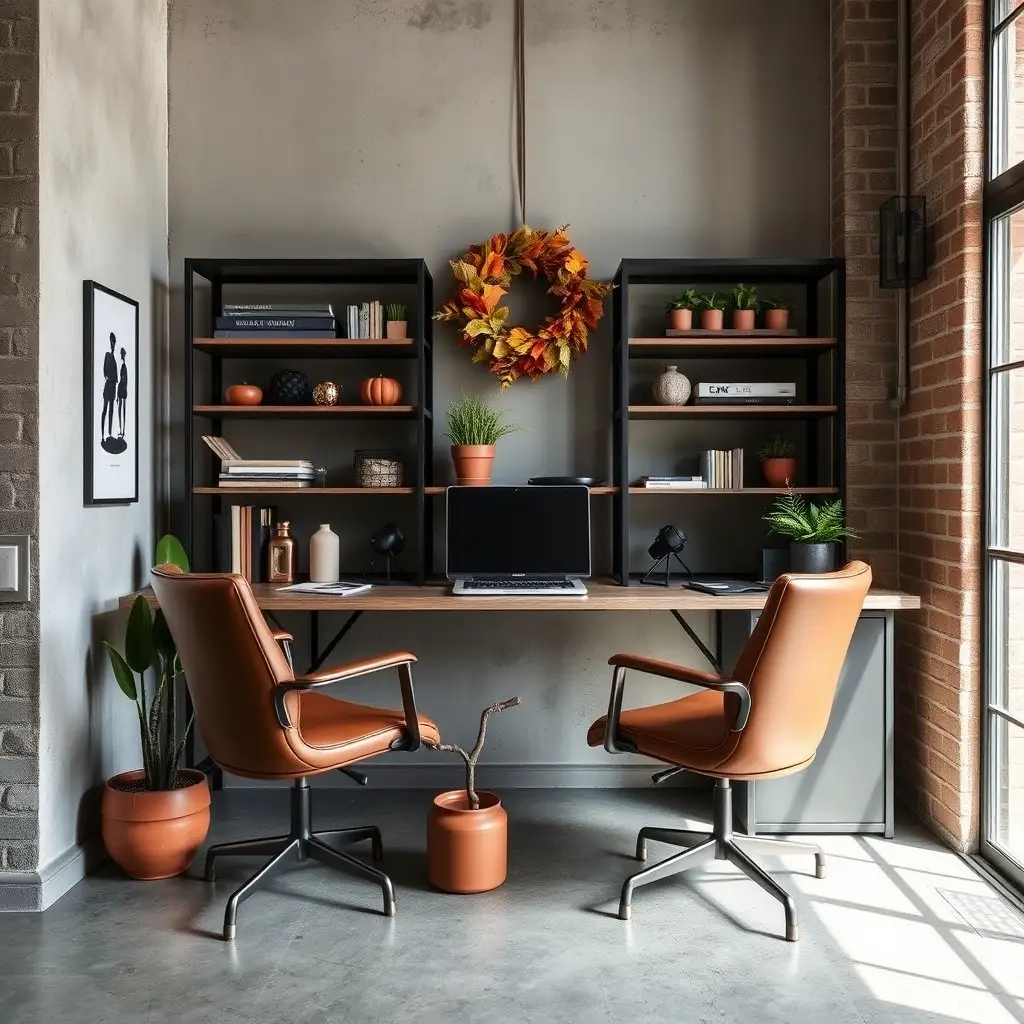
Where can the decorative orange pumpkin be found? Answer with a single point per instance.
(380, 391)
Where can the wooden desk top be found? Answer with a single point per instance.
(602, 596)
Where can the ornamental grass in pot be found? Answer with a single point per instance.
(812, 531)
(778, 461)
(745, 305)
(474, 428)
(467, 831)
(154, 818)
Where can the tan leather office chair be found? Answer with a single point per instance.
(764, 720)
(260, 721)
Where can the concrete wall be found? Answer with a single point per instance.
(103, 215)
(656, 127)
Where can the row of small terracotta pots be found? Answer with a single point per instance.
(714, 319)
(156, 834)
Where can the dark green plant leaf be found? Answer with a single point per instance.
(122, 672)
(138, 638)
(163, 642)
(170, 551)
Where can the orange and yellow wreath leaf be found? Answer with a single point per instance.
(484, 275)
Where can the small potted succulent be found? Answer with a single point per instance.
(712, 313)
(154, 819)
(776, 313)
(467, 831)
(778, 461)
(397, 325)
(745, 305)
(812, 531)
(474, 428)
(680, 310)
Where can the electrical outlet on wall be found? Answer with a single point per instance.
(14, 569)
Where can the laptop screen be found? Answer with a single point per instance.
(518, 531)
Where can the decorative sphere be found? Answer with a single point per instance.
(289, 387)
(326, 393)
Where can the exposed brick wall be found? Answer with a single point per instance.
(938, 649)
(19, 438)
(864, 176)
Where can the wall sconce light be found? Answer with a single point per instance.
(901, 250)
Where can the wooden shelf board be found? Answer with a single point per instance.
(311, 491)
(732, 490)
(673, 411)
(728, 332)
(304, 410)
(596, 491)
(653, 348)
(236, 348)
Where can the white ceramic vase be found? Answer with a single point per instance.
(672, 388)
(324, 556)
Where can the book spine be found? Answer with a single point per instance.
(364, 320)
(275, 334)
(277, 323)
(236, 529)
(253, 308)
(745, 400)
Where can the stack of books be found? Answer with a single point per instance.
(758, 393)
(365, 320)
(242, 539)
(275, 320)
(672, 483)
(722, 469)
(258, 474)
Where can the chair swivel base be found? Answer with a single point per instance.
(300, 844)
(719, 844)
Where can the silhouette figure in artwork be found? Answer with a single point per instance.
(122, 394)
(109, 443)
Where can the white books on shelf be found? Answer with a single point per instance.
(722, 470)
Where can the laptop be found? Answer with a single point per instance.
(518, 540)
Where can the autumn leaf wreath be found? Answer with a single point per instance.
(484, 275)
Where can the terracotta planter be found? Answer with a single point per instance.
(396, 329)
(680, 319)
(473, 464)
(743, 319)
(155, 835)
(776, 319)
(711, 319)
(779, 472)
(467, 851)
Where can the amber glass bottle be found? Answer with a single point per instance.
(281, 555)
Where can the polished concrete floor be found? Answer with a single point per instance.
(899, 931)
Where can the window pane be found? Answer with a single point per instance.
(1001, 9)
(1006, 637)
(1007, 141)
(1007, 749)
(1006, 460)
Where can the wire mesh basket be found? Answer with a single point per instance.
(378, 467)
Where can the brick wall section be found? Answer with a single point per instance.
(938, 649)
(863, 177)
(19, 407)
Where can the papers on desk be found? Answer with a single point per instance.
(341, 589)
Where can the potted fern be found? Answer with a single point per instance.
(812, 531)
(680, 310)
(745, 305)
(474, 428)
(776, 314)
(778, 461)
(397, 325)
(467, 830)
(154, 818)
(712, 311)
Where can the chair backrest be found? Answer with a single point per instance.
(232, 665)
(791, 665)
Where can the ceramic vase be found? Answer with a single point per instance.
(324, 556)
(672, 387)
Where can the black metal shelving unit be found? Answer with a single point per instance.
(206, 413)
(820, 284)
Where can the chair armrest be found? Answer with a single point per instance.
(402, 660)
(282, 636)
(666, 670)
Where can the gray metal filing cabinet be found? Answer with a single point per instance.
(849, 786)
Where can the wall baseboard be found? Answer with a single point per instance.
(36, 890)
(490, 776)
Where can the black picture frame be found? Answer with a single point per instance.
(111, 453)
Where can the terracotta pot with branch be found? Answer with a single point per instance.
(467, 831)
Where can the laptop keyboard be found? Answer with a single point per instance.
(518, 585)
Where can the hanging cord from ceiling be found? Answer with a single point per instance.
(520, 102)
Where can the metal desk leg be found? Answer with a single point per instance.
(318, 656)
(715, 664)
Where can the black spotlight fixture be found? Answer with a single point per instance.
(388, 542)
(666, 547)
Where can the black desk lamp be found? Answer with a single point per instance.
(388, 541)
(667, 545)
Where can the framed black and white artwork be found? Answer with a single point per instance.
(111, 371)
